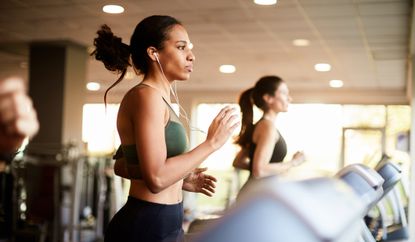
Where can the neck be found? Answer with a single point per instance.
(159, 84)
(271, 116)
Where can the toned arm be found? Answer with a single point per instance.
(266, 137)
(158, 171)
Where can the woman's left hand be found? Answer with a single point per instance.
(198, 181)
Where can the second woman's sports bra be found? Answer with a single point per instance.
(278, 154)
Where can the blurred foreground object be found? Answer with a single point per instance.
(18, 119)
(314, 210)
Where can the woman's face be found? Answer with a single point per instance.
(176, 57)
(281, 98)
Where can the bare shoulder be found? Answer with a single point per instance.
(266, 129)
(143, 94)
(143, 99)
(265, 126)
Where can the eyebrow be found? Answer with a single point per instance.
(182, 42)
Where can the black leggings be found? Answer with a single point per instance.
(142, 221)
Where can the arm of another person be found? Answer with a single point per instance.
(158, 171)
(18, 119)
(241, 160)
(265, 143)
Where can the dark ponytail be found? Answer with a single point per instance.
(247, 127)
(266, 85)
(113, 53)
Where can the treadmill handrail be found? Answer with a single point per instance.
(372, 177)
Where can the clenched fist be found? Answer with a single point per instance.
(18, 119)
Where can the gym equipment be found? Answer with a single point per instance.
(367, 184)
(315, 210)
(398, 229)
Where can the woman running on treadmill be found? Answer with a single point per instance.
(153, 140)
(263, 148)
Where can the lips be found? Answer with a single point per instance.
(189, 68)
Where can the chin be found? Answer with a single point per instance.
(284, 110)
(184, 77)
(181, 78)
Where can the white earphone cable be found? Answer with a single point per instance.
(176, 98)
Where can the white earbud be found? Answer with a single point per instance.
(174, 92)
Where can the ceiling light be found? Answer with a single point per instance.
(113, 9)
(336, 83)
(265, 2)
(227, 68)
(301, 42)
(322, 67)
(93, 86)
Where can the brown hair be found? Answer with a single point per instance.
(151, 31)
(265, 85)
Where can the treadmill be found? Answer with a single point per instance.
(272, 210)
(398, 230)
(368, 185)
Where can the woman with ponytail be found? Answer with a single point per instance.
(263, 149)
(154, 151)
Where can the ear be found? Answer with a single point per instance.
(268, 99)
(152, 52)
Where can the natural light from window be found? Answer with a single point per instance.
(99, 130)
(319, 130)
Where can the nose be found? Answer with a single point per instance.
(191, 56)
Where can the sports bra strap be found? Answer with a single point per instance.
(172, 114)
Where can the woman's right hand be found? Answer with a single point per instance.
(222, 127)
(298, 158)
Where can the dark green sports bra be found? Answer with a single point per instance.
(175, 137)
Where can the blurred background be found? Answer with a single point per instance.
(348, 64)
